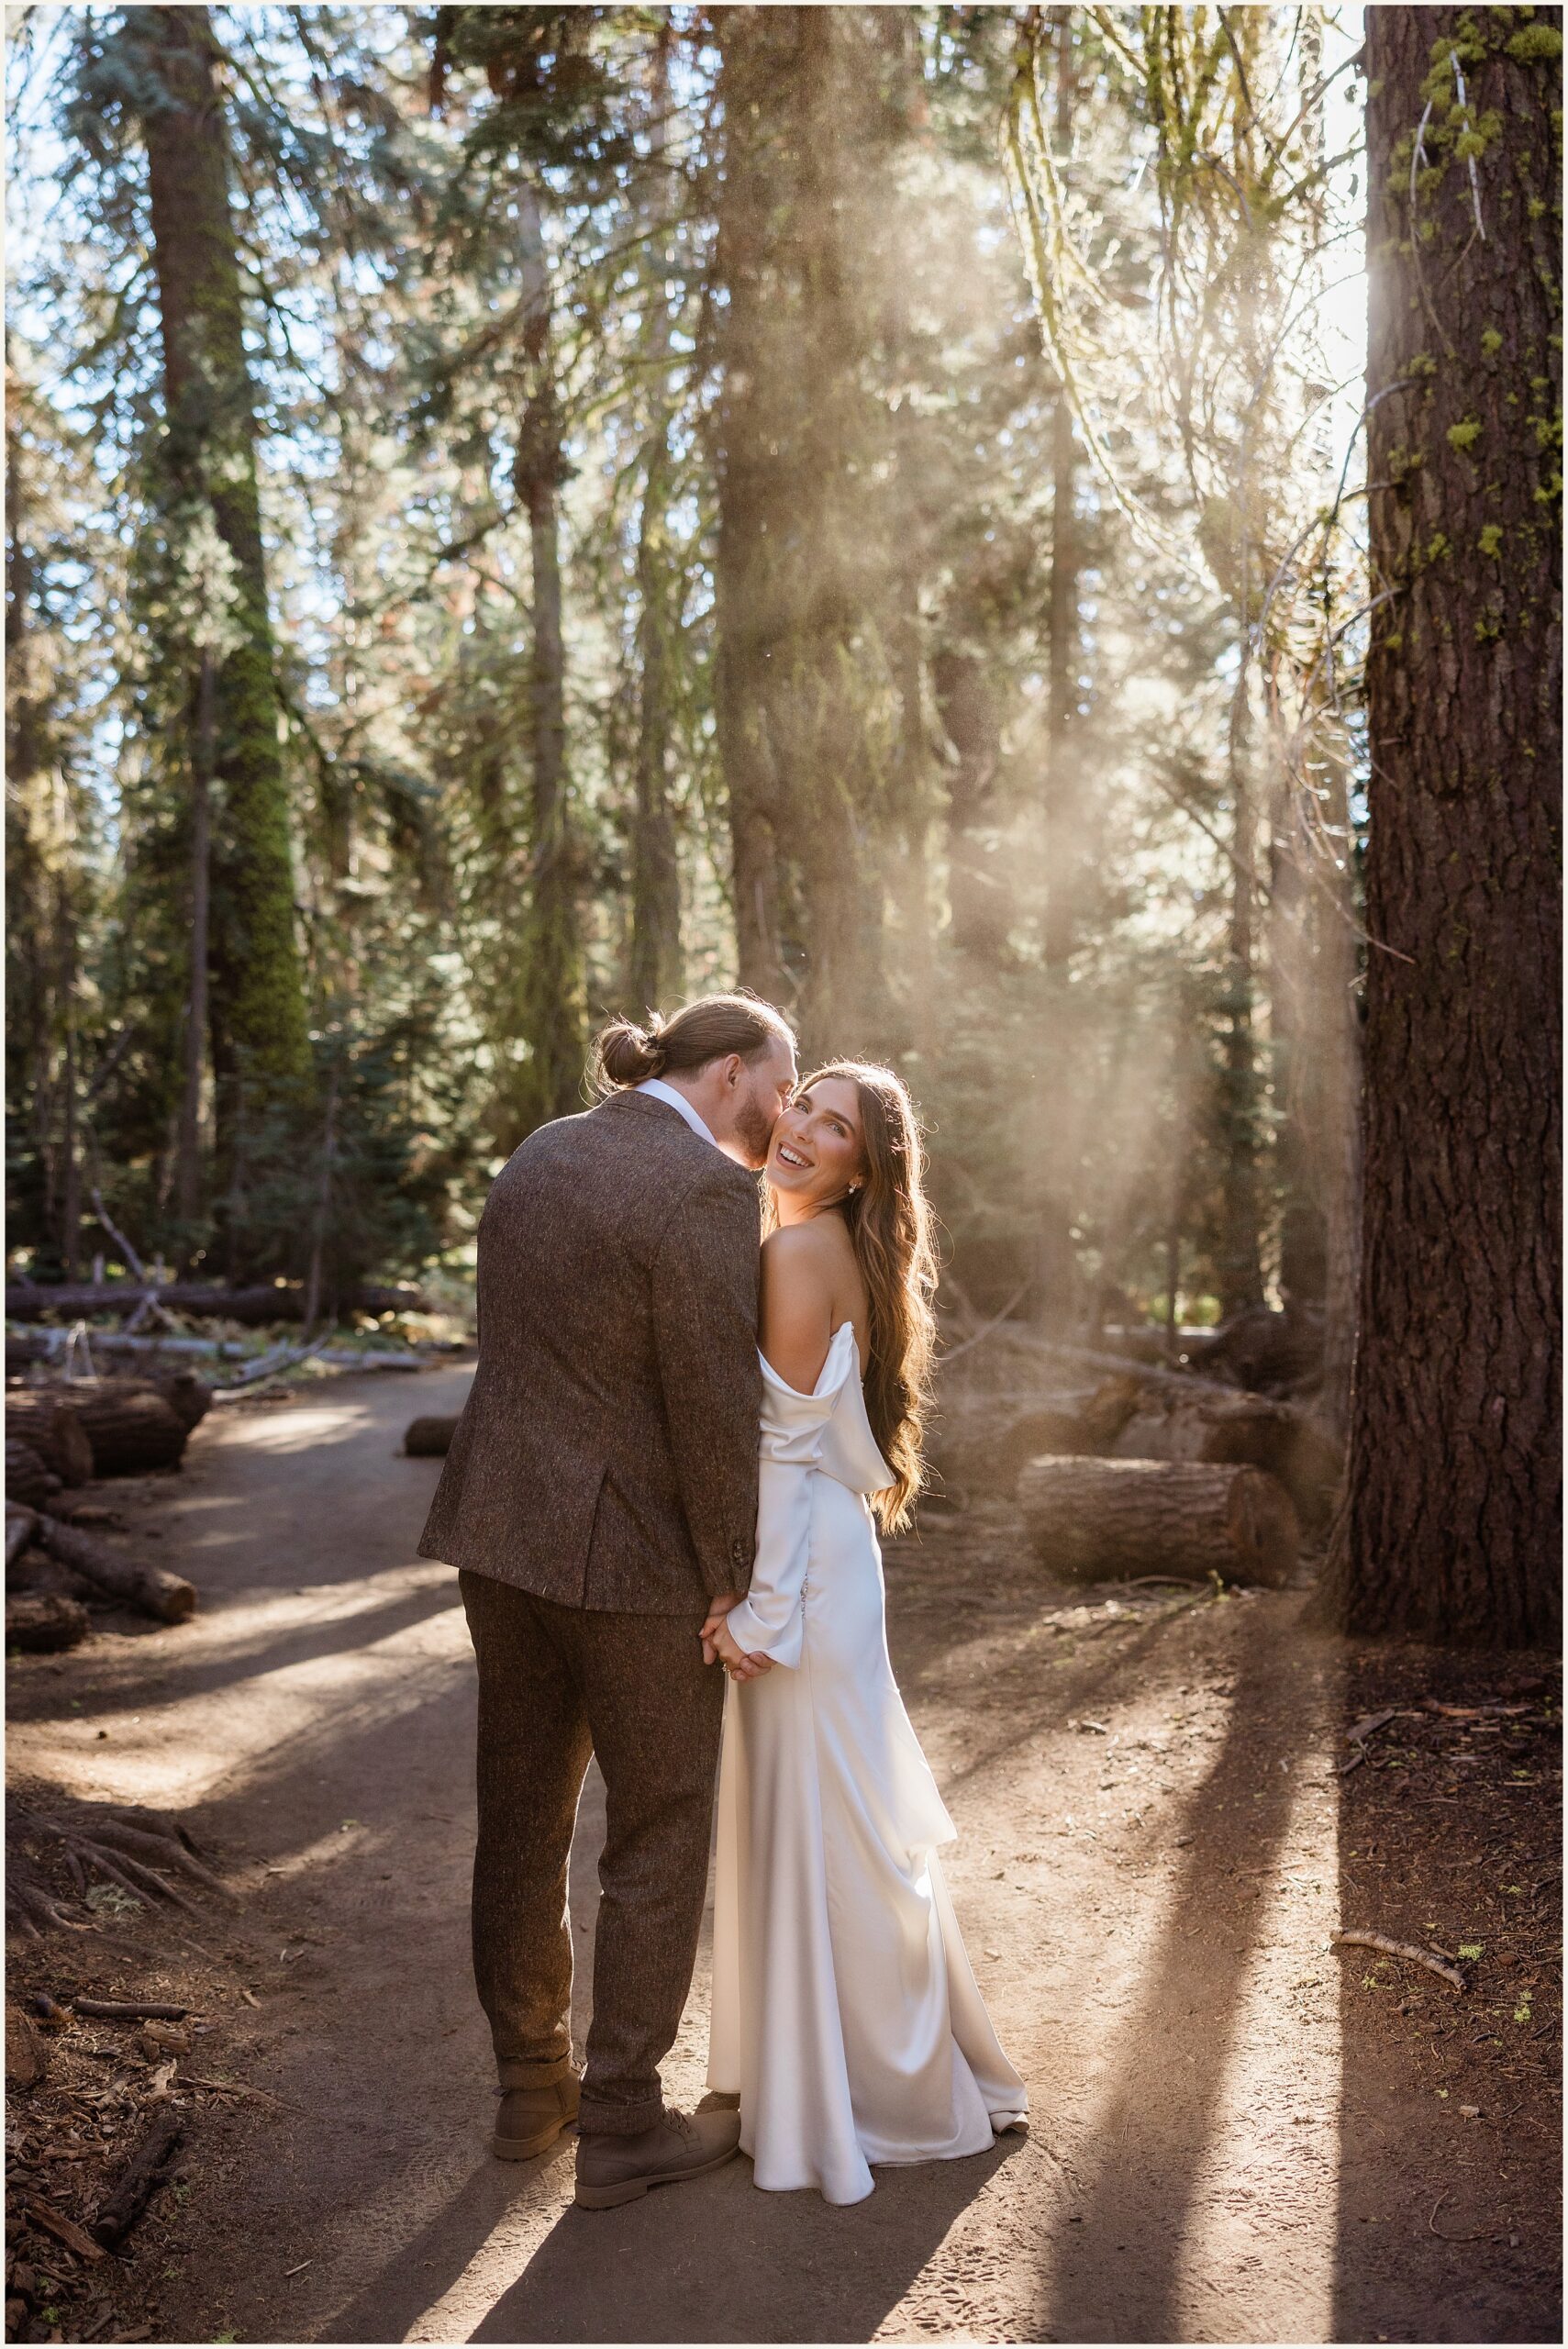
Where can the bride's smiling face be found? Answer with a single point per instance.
(818, 1152)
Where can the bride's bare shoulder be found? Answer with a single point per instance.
(802, 1256)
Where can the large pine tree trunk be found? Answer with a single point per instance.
(1241, 1255)
(756, 431)
(259, 1047)
(1335, 1139)
(1450, 1528)
(552, 990)
(188, 1171)
(800, 578)
(1063, 815)
(656, 971)
(40, 931)
(1063, 855)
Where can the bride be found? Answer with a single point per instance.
(846, 2016)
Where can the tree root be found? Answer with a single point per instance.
(133, 1849)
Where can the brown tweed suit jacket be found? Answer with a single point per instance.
(607, 1454)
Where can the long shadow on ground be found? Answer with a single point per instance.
(1115, 2274)
(731, 2264)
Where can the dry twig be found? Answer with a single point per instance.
(1343, 1937)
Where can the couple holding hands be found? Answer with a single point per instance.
(697, 1401)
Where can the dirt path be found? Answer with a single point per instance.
(1234, 2141)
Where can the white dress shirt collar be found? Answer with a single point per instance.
(662, 1092)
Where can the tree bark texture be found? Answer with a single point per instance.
(803, 703)
(130, 1428)
(50, 1429)
(1331, 1086)
(188, 1174)
(1253, 1431)
(1450, 1526)
(28, 1479)
(657, 973)
(1241, 1268)
(151, 1589)
(1062, 642)
(1103, 1520)
(259, 1047)
(554, 1011)
(36, 899)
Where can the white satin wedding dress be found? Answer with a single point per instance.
(845, 2013)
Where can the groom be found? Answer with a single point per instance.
(599, 1501)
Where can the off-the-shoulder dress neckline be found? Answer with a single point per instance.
(815, 1393)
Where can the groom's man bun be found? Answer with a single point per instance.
(708, 1029)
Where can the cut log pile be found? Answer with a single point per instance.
(1244, 1431)
(42, 1419)
(27, 1479)
(1099, 1520)
(55, 1438)
(1155, 1474)
(106, 1427)
(153, 1590)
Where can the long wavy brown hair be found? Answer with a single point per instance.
(890, 1225)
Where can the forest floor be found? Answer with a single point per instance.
(1238, 2134)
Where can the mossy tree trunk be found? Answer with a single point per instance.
(1450, 1528)
(260, 1049)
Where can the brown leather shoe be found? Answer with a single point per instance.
(617, 2169)
(530, 2119)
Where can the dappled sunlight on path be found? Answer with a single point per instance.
(1146, 1874)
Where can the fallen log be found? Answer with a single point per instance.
(429, 1438)
(152, 1588)
(39, 1418)
(27, 1479)
(139, 2181)
(1245, 1431)
(21, 1524)
(35, 1301)
(129, 2010)
(1263, 1349)
(1103, 1521)
(128, 1425)
(1092, 1429)
(185, 1390)
(31, 1572)
(44, 1623)
(151, 1355)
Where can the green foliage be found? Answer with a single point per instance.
(377, 813)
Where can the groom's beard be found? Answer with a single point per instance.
(754, 1132)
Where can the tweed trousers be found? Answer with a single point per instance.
(556, 1684)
